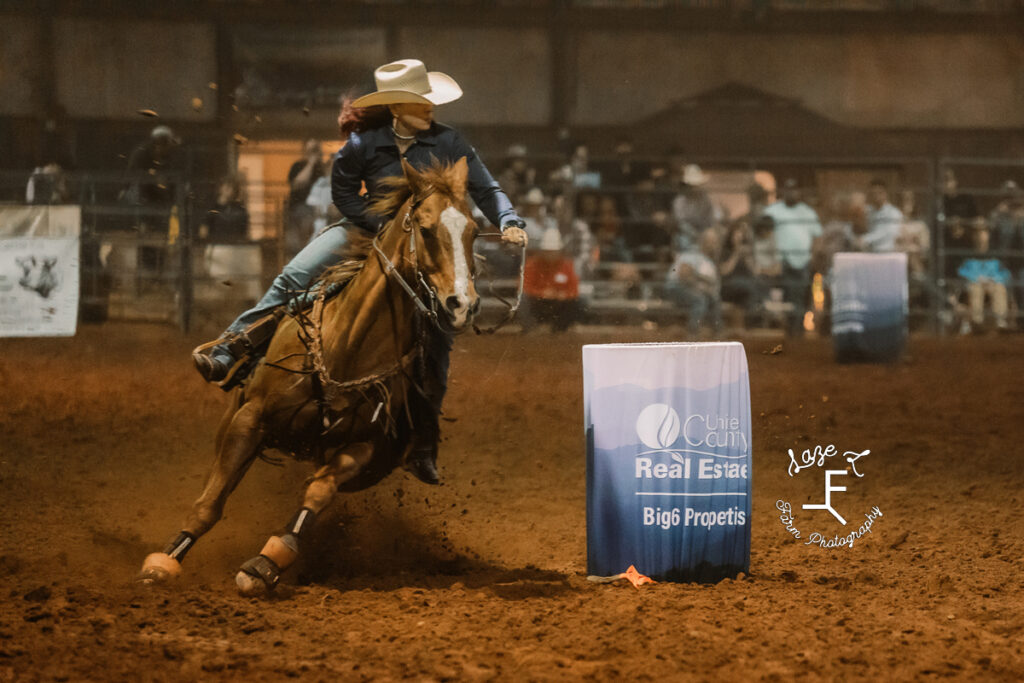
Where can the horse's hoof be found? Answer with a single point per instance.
(257, 577)
(250, 586)
(158, 569)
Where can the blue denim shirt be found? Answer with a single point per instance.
(372, 155)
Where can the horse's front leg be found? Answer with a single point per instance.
(260, 574)
(237, 446)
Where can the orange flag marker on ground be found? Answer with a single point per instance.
(636, 578)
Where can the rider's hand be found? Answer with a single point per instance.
(512, 233)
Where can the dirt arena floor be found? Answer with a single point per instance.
(106, 438)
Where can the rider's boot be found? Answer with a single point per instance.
(422, 464)
(234, 355)
(214, 366)
(421, 461)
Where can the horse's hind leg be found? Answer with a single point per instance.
(237, 446)
(261, 573)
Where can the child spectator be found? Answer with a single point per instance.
(550, 286)
(985, 277)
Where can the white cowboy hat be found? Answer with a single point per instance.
(163, 132)
(692, 175)
(551, 240)
(407, 81)
(534, 197)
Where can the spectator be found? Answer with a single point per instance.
(692, 209)
(767, 263)
(582, 174)
(320, 203)
(228, 220)
(915, 241)
(837, 234)
(647, 209)
(151, 169)
(796, 230)
(738, 270)
(884, 220)
(985, 277)
(693, 283)
(958, 212)
(1007, 219)
(587, 204)
(757, 200)
(535, 213)
(581, 244)
(301, 177)
(607, 230)
(550, 285)
(47, 185)
(623, 171)
(518, 175)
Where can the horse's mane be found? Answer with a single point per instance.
(396, 191)
(353, 257)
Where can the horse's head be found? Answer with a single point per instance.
(444, 231)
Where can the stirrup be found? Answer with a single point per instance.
(246, 347)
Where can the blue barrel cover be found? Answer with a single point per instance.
(668, 459)
(869, 307)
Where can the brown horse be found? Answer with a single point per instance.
(334, 381)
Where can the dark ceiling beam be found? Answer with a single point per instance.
(480, 13)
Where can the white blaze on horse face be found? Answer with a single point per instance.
(456, 223)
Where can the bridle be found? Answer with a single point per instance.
(429, 308)
(428, 311)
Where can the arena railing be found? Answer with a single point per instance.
(142, 258)
(982, 182)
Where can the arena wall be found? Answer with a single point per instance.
(19, 59)
(110, 70)
(874, 80)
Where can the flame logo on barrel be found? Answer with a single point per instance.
(658, 426)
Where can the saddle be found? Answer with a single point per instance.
(249, 346)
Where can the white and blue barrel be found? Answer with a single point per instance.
(869, 307)
(668, 459)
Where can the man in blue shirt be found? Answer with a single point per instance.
(884, 220)
(797, 228)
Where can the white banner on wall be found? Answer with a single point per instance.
(39, 270)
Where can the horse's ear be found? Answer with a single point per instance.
(417, 183)
(460, 174)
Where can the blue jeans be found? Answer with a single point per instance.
(309, 264)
